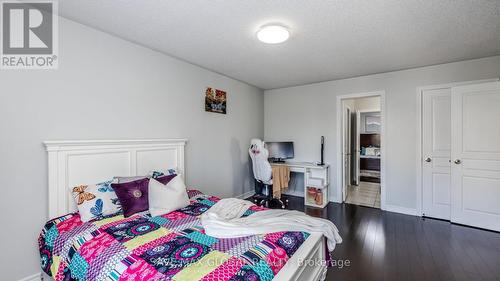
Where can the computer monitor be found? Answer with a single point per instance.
(279, 151)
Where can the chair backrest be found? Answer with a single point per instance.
(262, 170)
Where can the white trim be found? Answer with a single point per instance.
(345, 107)
(381, 94)
(34, 277)
(401, 210)
(418, 186)
(135, 154)
(368, 111)
(66, 145)
(456, 84)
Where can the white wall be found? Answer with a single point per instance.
(304, 113)
(367, 104)
(108, 88)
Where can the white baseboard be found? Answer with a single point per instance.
(400, 210)
(34, 277)
(245, 195)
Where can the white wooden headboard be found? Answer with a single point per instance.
(72, 163)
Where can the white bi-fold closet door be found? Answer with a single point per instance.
(461, 170)
(436, 148)
(475, 150)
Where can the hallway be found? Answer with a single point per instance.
(366, 194)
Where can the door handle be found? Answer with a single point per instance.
(428, 159)
(457, 161)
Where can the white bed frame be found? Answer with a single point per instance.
(71, 163)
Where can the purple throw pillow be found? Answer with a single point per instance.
(165, 179)
(133, 196)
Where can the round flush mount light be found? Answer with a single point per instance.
(273, 34)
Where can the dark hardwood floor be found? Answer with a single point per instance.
(382, 245)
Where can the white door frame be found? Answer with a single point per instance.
(346, 109)
(419, 157)
(340, 113)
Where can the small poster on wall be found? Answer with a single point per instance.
(215, 100)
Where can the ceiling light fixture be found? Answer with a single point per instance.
(273, 34)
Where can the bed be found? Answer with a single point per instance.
(169, 247)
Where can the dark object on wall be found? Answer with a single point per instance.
(322, 163)
(215, 100)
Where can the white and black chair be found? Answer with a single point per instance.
(263, 174)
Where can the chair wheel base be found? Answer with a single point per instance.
(273, 203)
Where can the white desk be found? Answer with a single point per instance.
(315, 176)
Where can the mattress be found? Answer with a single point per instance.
(168, 247)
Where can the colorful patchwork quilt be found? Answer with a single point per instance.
(168, 247)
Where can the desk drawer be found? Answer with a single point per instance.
(316, 182)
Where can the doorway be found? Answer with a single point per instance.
(361, 131)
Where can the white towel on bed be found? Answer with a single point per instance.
(222, 222)
(230, 208)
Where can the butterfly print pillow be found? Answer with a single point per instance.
(157, 174)
(96, 200)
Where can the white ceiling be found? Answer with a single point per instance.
(329, 39)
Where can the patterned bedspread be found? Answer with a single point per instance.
(168, 247)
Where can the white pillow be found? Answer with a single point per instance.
(95, 200)
(164, 199)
